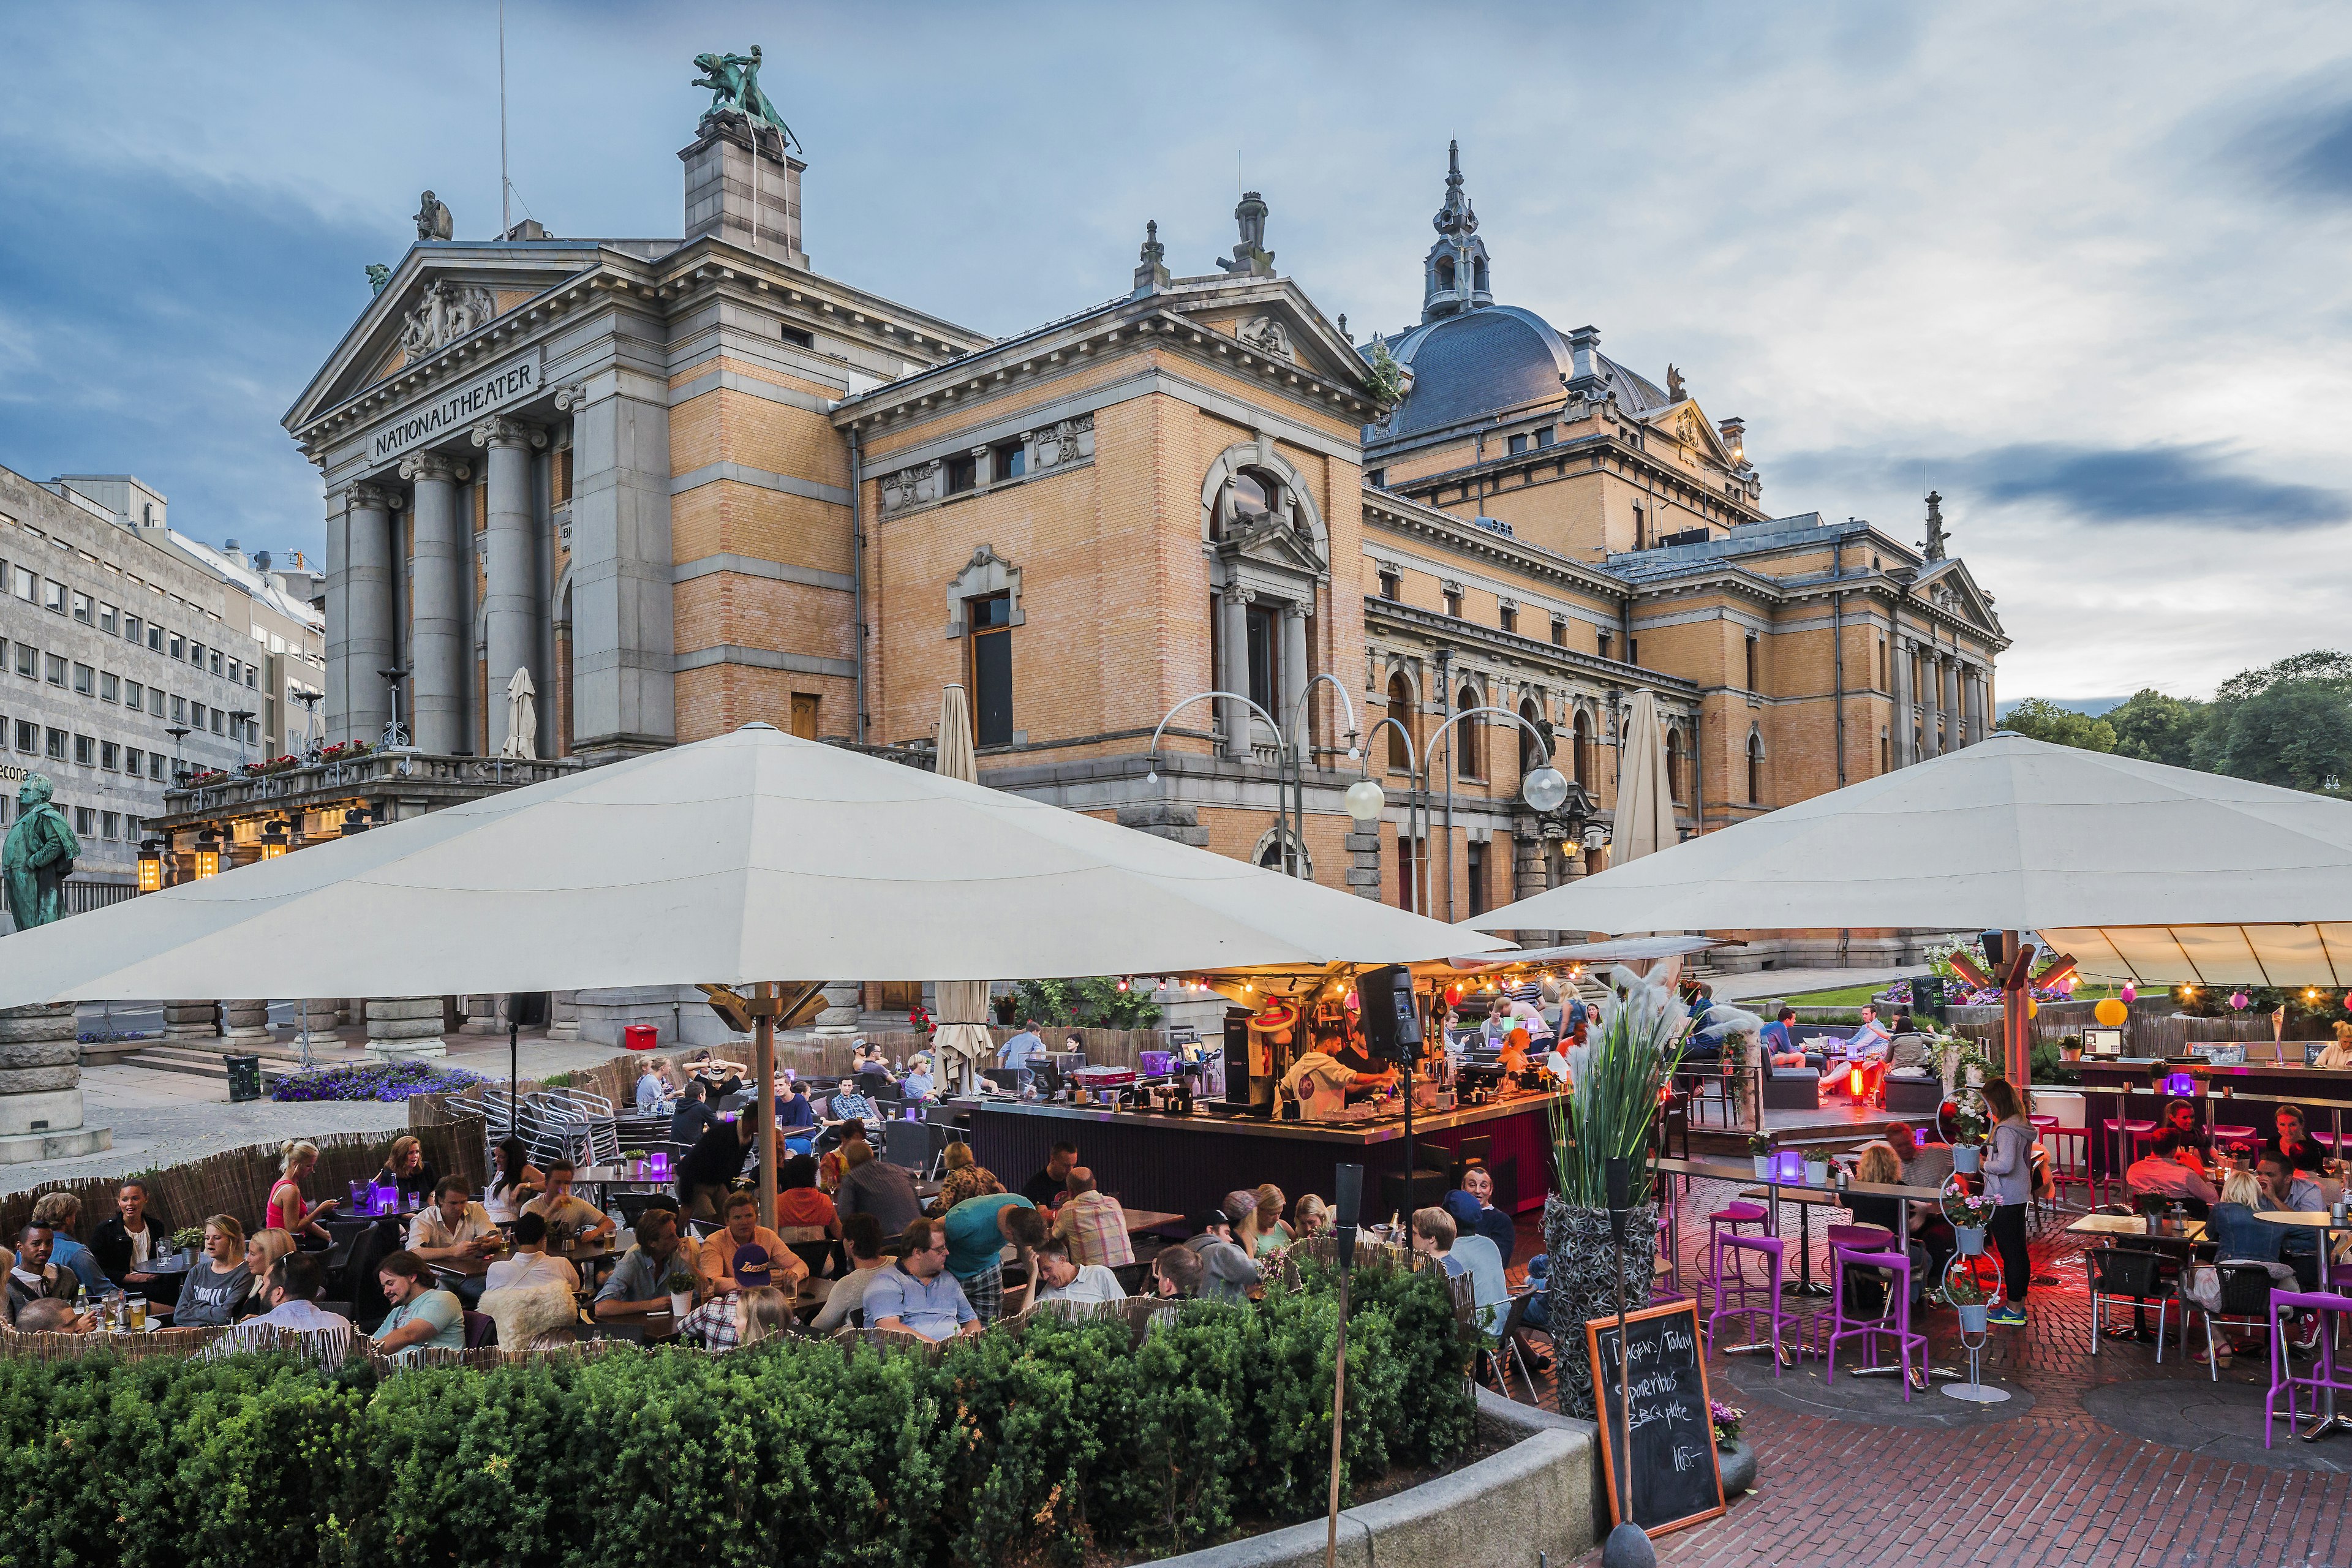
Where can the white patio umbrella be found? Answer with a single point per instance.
(961, 1040)
(523, 717)
(751, 857)
(2141, 871)
(1644, 822)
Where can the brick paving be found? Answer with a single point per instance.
(2053, 1483)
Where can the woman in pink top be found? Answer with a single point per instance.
(288, 1211)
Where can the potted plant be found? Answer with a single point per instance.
(1761, 1145)
(636, 1161)
(1735, 1460)
(1967, 1295)
(1968, 1130)
(188, 1240)
(1817, 1168)
(680, 1285)
(1967, 1214)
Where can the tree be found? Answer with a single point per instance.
(2044, 720)
(2155, 728)
(2288, 724)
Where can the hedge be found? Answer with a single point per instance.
(1016, 1446)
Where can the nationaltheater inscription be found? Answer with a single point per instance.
(486, 394)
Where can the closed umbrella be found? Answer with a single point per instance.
(963, 1039)
(523, 718)
(1644, 822)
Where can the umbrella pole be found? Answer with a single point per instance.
(764, 1066)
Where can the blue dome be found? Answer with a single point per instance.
(1491, 360)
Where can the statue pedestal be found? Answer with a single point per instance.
(40, 1088)
(401, 1026)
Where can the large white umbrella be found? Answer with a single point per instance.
(963, 1040)
(1644, 820)
(751, 856)
(523, 717)
(2140, 870)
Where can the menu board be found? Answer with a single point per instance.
(1668, 1435)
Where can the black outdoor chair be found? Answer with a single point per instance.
(2245, 1303)
(2143, 1278)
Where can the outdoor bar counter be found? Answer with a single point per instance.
(1158, 1160)
(2245, 1095)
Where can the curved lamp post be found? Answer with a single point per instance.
(1543, 788)
(1290, 750)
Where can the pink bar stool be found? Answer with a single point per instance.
(2070, 1153)
(2224, 1132)
(2322, 1378)
(1740, 1297)
(2135, 1132)
(1894, 1323)
(1729, 1218)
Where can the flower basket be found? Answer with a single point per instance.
(1817, 1171)
(1972, 1318)
(1763, 1166)
(1972, 1240)
(1967, 1158)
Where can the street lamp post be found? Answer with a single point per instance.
(1290, 749)
(1543, 788)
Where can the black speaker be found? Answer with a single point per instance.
(1392, 1022)
(1996, 951)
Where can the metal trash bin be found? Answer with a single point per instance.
(244, 1078)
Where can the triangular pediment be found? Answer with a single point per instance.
(438, 295)
(1949, 585)
(1688, 424)
(1270, 316)
(1274, 542)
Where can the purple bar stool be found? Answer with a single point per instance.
(1729, 1217)
(1894, 1321)
(2322, 1377)
(1739, 1297)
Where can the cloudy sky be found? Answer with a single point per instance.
(2081, 268)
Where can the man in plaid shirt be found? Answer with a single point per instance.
(1093, 1224)
(718, 1323)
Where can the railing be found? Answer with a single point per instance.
(367, 769)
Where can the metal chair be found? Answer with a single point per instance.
(2128, 1274)
(1501, 1349)
(2322, 1380)
(1893, 1319)
(908, 1144)
(2245, 1304)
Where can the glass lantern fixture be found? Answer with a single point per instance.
(207, 855)
(151, 865)
(1544, 789)
(274, 838)
(1365, 801)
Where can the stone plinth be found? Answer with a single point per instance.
(319, 1014)
(844, 1002)
(1364, 872)
(40, 1088)
(187, 1021)
(563, 1016)
(246, 1020)
(404, 1026)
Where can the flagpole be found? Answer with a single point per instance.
(506, 212)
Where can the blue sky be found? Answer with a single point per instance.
(2082, 269)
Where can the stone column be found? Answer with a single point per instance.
(844, 1001)
(439, 637)
(404, 1026)
(563, 1016)
(510, 600)
(1899, 656)
(1947, 691)
(191, 1020)
(622, 639)
(1233, 667)
(244, 1021)
(370, 644)
(1294, 669)
(1976, 704)
(336, 707)
(1364, 873)
(319, 1014)
(41, 1087)
(1931, 682)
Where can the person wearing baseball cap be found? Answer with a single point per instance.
(714, 1267)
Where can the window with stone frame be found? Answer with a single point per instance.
(110, 756)
(1579, 750)
(1755, 769)
(1402, 745)
(1454, 602)
(1678, 773)
(1518, 445)
(1392, 585)
(56, 748)
(959, 474)
(109, 618)
(1474, 877)
(1470, 736)
(1753, 685)
(24, 584)
(558, 477)
(1885, 753)
(220, 722)
(1008, 460)
(86, 821)
(1264, 625)
(990, 624)
(1507, 616)
(1559, 632)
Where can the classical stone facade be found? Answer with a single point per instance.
(688, 484)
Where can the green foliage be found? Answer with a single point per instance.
(2288, 724)
(2044, 720)
(1386, 378)
(1070, 1438)
(1094, 1003)
(2155, 728)
(1618, 1075)
(2049, 1065)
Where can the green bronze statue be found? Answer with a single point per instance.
(38, 856)
(734, 84)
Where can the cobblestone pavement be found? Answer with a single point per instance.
(2054, 1479)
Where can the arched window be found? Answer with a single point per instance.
(1581, 750)
(1445, 272)
(1401, 748)
(1470, 736)
(1755, 769)
(1479, 275)
(1254, 494)
(1676, 789)
(1532, 756)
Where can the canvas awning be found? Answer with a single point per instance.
(749, 856)
(2140, 870)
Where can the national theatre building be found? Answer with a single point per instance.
(685, 484)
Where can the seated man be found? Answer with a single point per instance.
(1092, 1224)
(453, 1226)
(849, 1105)
(1780, 1038)
(422, 1312)
(1872, 1038)
(291, 1291)
(2164, 1172)
(917, 1294)
(62, 1212)
(1176, 1274)
(641, 1283)
(531, 1262)
(794, 1111)
(918, 1083)
(862, 1234)
(715, 1263)
(653, 1088)
(569, 1217)
(1227, 1273)
(1473, 1208)
(51, 1316)
(1045, 1188)
(1062, 1278)
(35, 1278)
(692, 1115)
(1433, 1237)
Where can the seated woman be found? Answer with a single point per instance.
(2238, 1235)
(2293, 1143)
(404, 1168)
(2338, 1053)
(1879, 1165)
(288, 1209)
(966, 1178)
(2181, 1118)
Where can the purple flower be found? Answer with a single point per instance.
(372, 1080)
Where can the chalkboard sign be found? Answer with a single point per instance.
(1675, 1478)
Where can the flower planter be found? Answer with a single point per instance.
(1584, 1285)
(1972, 1319)
(1972, 1241)
(1763, 1166)
(681, 1302)
(1817, 1172)
(1737, 1461)
(1966, 1157)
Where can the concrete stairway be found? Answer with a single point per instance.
(206, 1058)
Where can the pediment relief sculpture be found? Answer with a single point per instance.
(1267, 335)
(447, 312)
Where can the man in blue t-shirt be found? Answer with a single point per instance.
(420, 1315)
(1016, 1052)
(977, 1231)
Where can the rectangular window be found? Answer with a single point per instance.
(220, 722)
(155, 640)
(110, 824)
(1453, 603)
(135, 697)
(962, 474)
(1558, 633)
(1264, 653)
(29, 661)
(86, 820)
(1377, 477)
(110, 756)
(53, 596)
(179, 645)
(1607, 642)
(109, 618)
(195, 714)
(216, 661)
(559, 486)
(82, 609)
(249, 674)
(991, 669)
(1008, 461)
(55, 749)
(1752, 685)
(1506, 618)
(28, 736)
(53, 667)
(1633, 650)
(1392, 586)
(134, 761)
(85, 751)
(1544, 436)
(797, 338)
(24, 584)
(134, 630)
(1474, 872)
(85, 680)
(1518, 445)
(276, 643)
(236, 671)
(1407, 850)
(804, 710)
(155, 766)
(180, 706)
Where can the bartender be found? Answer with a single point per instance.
(1319, 1079)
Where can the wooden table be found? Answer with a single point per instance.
(1139, 1220)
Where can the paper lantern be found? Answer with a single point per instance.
(2033, 1008)
(2111, 1012)
(2131, 994)
(2238, 1000)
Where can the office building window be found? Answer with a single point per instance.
(155, 766)
(29, 661)
(24, 584)
(53, 667)
(134, 630)
(109, 688)
(82, 610)
(236, 671)
(55, 749)
(85, 751)
(135, 697)
(220, 722)
(179, 645)
(134, 761)
(249, 673)
(110, 824)
(155, 639)
(180, 710)
(109, 618)
(215, 665)
(86, 820)
(28, 736)
(110, 756)
(53, 597)
(85, 680)
(992, 668)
